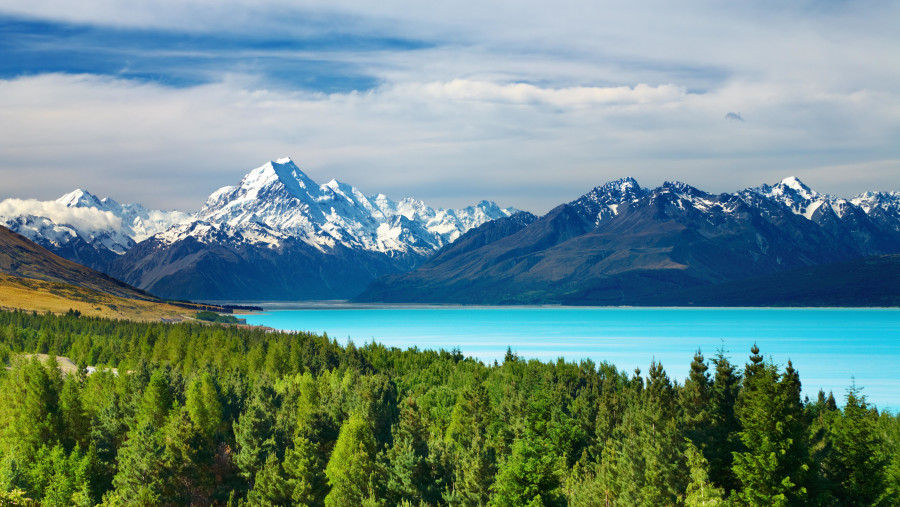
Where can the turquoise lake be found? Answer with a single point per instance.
(829, 347)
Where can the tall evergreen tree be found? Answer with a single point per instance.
(351, 468)
(700, 491)
(649, 459)
(474, 460)
(203, 404)
(29, 408)
(857, 466)
(722, 433)
(413, 474)
(772, 469)
(254, 433)
(695, 404)
(305, 472)
(139, 478)
(187, 460)
(532, 473)
(75, 423)
(156, 400)
(304, 461)
(270, 486)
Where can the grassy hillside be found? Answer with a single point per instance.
(33, 278)
(43, 296)
(23, 258)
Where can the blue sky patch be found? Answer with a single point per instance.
(181, 59)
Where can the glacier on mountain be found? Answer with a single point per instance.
(278, 200)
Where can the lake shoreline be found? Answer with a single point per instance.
(829, 346)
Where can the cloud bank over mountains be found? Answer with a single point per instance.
(87, 219)
(523, 104)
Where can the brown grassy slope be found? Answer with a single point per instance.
(42, 296)
(21, 257)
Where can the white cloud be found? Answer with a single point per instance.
(523, 93)
(84, 219)
(446, 142)
(527, 103)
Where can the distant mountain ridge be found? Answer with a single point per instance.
(278, 200)
(275, 235)
(279, 235)
(83, 228)
(623, 244)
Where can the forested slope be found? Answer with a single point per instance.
(221, 415)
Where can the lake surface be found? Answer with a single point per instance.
(829, 347)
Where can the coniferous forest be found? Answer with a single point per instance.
(222, 415)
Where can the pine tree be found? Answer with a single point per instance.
(473, 461)
(700, 491)
(139, 481)
(409, 462)
(304, 470)
(156, 401)
(58, 478)
(108, 430)
(664, 475)
(722, 432)
(857, 467)
(254, 433)
(772, 469)
(187, 460)
(29, 408)
(695, 403)
(75, 422)
(649, 461)
(351, 467)
(270, 486)
(532, 473)
(203, 405)
(304, 461)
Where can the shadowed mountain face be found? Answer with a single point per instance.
(23, 258)
(231, 268)
(621, 244)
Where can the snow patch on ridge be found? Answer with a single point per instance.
(281, 198)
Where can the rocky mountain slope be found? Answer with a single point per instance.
(623, 244)
(280, 235)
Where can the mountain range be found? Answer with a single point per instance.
(621, 244)
(277, 235)
(83, 228)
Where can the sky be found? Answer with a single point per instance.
(526, 103)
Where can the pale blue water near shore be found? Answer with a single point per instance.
(829, 347)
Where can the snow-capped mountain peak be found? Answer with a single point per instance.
(79, 198)
(682, 189)
(282, 171)
(280, 197)
(798, 186)
(886, 201)
(802, 199)
(607, 200)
